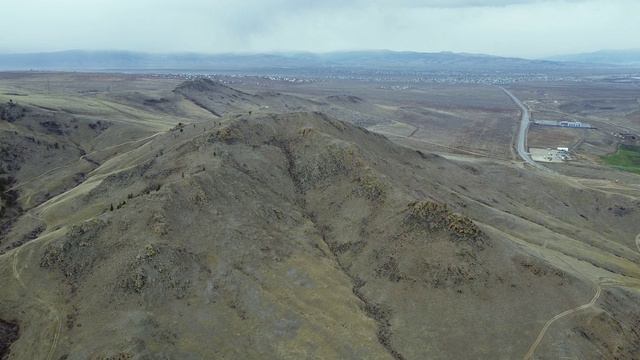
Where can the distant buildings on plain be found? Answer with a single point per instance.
(564, 123)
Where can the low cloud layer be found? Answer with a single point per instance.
(527, 28)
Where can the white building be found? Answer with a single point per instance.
(573, 124)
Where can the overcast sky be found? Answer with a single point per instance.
(526, 28)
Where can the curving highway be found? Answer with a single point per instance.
(524, 154)
(522, 132)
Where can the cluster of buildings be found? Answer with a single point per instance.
(574, 124)
(558, 155)
(564, 123)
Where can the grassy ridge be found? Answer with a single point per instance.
(627, 158)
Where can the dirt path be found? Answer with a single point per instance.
(523, 153)
(546, 326)
(83, 157)
(55, 314)
(35, 217)
(454, 149)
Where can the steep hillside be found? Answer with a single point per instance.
(246, 233)
(279, 236)
(49, 145)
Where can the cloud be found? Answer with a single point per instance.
(529, 28)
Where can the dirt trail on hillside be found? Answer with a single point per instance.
(532, 349)
(55, 314)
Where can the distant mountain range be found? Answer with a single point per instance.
(356, 60)
(613, 57)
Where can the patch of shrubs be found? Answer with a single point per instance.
(11, 111)
(227, 135)
(9, 333)
(369, 187)
(77, 252)
(8, 198)
(159, 271)
(435, 216)
(99, 126)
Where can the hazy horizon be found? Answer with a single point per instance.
(515, 28)
(296, 52)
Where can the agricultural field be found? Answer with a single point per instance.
(626, 158)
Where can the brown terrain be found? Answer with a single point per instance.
(155, 218)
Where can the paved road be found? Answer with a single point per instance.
(524, 154)
(522, 132)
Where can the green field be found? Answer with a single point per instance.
(627, 158)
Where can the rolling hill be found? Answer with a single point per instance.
(369, 60)
(251, 226)
(630, 58)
